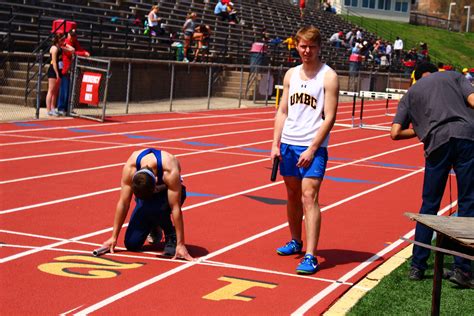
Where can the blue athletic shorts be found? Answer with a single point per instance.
(289, 158)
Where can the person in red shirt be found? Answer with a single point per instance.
(67, 57)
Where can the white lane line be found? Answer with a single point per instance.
(164, 147)
(27, 207)
(171, 272)
(199, 261)
(134, 145)
(188, 207)
(138, 122)
(106, 134)
(154, 130)
(321, 295)
(71, 310)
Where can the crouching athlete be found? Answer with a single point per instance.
(153, 176)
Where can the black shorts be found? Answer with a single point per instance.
(52, 73)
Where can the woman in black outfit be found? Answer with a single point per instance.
(55, 71)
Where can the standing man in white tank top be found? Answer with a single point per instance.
(306, 114)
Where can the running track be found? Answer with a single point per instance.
(60, 184)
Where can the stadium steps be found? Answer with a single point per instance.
(13, 84)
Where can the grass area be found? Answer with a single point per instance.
(397, 295)
(452, 48)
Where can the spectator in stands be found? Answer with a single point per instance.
(351, 37)
(359, 35)
(365, 51)
(467, 75)
(355, 60)
(423, 55)
(55, 71)
(409, 61)
(398, 48)
(154, 22)
(71, 41)
(233, 18)
(188, 30)
(336, 39)
(388, 52)
(447, 133)
(302, 7)
(292, 52)
(327, 7)
(136, 23)
(265, 35)
(202, 35)
(220, 10)
(441, 67)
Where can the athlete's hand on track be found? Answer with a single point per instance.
(182, 253)
(111, 242)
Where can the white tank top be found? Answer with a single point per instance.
(305, 108)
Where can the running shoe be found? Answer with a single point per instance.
(308, 265)
(290, 248)
(461, 278)
(155, 236)
(170, 245)
(416, 274)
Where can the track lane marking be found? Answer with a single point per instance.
(171, 272)
(12, 210)
(321, 295)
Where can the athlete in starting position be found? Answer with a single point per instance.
(153, 176)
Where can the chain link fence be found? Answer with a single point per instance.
(15, 105)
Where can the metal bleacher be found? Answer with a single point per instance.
(105, 27)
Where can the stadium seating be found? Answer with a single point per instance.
(105, 27)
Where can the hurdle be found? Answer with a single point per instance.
(354, 95)
(391, 90)
(278, 87)
(376, 95)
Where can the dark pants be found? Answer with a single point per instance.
(63, 93)
(458, 154)
(147, 215)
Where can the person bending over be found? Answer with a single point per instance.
(153, 176)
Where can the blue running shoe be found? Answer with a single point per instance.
(290, 248)
(308, 265)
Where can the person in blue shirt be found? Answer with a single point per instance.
(220, 10)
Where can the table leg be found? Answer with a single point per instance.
(437, 277)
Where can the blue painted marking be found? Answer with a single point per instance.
(256, 150)
(141, 137)
(201, 194)
(30, 125)
(349, 180)
(88, 131)
(340, 159)
(383, 164)
(394, 165)
(201, 144)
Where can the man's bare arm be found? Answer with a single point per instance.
(281, 115)
(397, 133)
(123, 204)
(171, 178)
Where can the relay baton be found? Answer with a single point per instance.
(276, 162)
(100, 251)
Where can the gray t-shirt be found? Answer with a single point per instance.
(437, 108)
